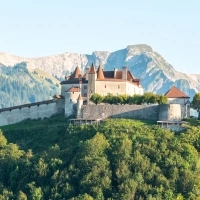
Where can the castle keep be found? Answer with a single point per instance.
(77, 89)
(100, 82)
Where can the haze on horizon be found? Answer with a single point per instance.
(40, 28)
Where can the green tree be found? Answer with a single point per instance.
(21, 196)
(196, 103)
(35, 192)
(96, 98)
(3, 140)
(161, 99)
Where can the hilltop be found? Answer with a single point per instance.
(156, 73)
(119, 159)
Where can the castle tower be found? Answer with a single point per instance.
(92, 76)
(71, 96)
(79, 105)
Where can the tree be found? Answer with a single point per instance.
(161, 99)
(96, 98)
(196, 103)
(35, 192)
(21, 196)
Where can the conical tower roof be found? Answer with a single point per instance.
(77, 73)
(92, 69)
(100, 74)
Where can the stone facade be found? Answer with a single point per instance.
(175, 96)
(146, 112)
(101, 82)
(38, 110)
(170, 112)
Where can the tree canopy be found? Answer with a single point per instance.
(118, 159)
(196, 103)
(149, 98)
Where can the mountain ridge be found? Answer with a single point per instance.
(156, 74)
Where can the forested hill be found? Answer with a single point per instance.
(119, 159)
(20, 85)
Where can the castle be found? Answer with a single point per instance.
(100, 82)
(77, 89)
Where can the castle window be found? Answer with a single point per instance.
(70, 100)
(85, 94)
(85, 87)
(118, 86)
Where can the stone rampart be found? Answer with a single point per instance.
(147, 112)
(37, 110)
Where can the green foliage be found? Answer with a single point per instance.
(162, 99)
(96, 98)
(118, 159)
(149, 98)
(196, 103)
(21, 196)
(20, 86)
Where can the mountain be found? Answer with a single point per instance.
(155, 73)
(20, 85)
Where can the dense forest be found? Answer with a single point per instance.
(118, 159)
(19, 86)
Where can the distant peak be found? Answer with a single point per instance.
(141, 47)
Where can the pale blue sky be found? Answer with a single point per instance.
(47, 27)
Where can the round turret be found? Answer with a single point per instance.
(170, 112)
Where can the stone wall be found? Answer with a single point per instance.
(37, 110)
(170, 112)
(148, 112)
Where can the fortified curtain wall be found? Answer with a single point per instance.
(146, 112)
(30, 111)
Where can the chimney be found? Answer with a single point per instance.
(124, 73)
(86, 73)
(115, 72)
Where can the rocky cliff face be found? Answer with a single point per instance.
(156, 74)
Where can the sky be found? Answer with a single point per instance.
(35, 28)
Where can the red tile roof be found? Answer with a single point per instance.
(73, 89)
(174, 92)
(118, 75)
(92, 70)
(100, 74)
(77, 73)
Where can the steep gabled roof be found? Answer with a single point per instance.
(174, 92)
(100, 74)
(77, 73)
(73, 89)
(92, 70)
